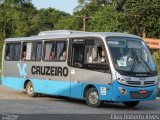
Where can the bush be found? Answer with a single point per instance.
(156, 58)
(158, 92)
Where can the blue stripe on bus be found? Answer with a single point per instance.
(75, 90)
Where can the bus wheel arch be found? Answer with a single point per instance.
(86, 89)
(29, 87)
(91, 96)
(25, 83)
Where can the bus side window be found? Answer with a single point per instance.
(61, 52)
(55, 50)
(9, 51)
(49, 51)
(77, 55)
(13, 51)
(96, 57)
(95, 54)
(27, 50)
(36, 51)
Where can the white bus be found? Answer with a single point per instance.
(94, 66)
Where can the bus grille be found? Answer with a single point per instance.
(137, 95)
(149, 82)
(138, 83)
(134, 82)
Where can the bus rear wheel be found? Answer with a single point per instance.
(131, 104)
(92, 98)
(30, 90)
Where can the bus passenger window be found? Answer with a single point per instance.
(37, 51)
(78, 55)
(61, 50)
(95, 54)
(9, 51)
(64, 56)
(13, 51)
(55, 50)
(49, 52)
(27, 50)
(17, 51)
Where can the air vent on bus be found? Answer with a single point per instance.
(134, 82)
(149, 82)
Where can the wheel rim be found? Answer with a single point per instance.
(30, 89)
(93, 97)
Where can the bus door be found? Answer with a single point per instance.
(96, 67)
(76, 70)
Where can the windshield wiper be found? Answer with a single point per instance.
(139, 59)
(145, 64)
(135, 59)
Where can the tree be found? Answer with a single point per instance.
(107, 19)
(69, 23)
(14, 15)
(48, 18)
(141, 17)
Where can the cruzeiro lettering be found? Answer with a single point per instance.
(49, 70)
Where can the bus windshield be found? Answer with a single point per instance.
(130, 55)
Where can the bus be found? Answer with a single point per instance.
(96, 67)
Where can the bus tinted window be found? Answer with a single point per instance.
(55, 51)
(77, 55)
(36, 51)
(32, 51)
(13, 51)
(49, 52)
(61, 50)
(95, 53)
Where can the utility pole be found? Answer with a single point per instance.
(84, 18)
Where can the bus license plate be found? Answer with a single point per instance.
(142, 92)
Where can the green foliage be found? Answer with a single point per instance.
(1, 48)
(15, 17)
(106, 19)
(156, 57)
(20, 18)
(158, 93)
(48, 18)
(71, 23)
(141, 17)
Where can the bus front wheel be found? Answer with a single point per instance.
(92, 98)
(30, 90)
(131, 104)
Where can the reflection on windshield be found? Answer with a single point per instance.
(130, 54)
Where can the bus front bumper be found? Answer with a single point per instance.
(123, 93)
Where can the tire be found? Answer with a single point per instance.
(92, 98)
(30, 90)
(131, 104)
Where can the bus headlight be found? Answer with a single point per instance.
(122, 81)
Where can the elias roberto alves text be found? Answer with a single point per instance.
(135, 117)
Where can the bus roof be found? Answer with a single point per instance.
(46, 35)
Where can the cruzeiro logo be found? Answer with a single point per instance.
(22, 71)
